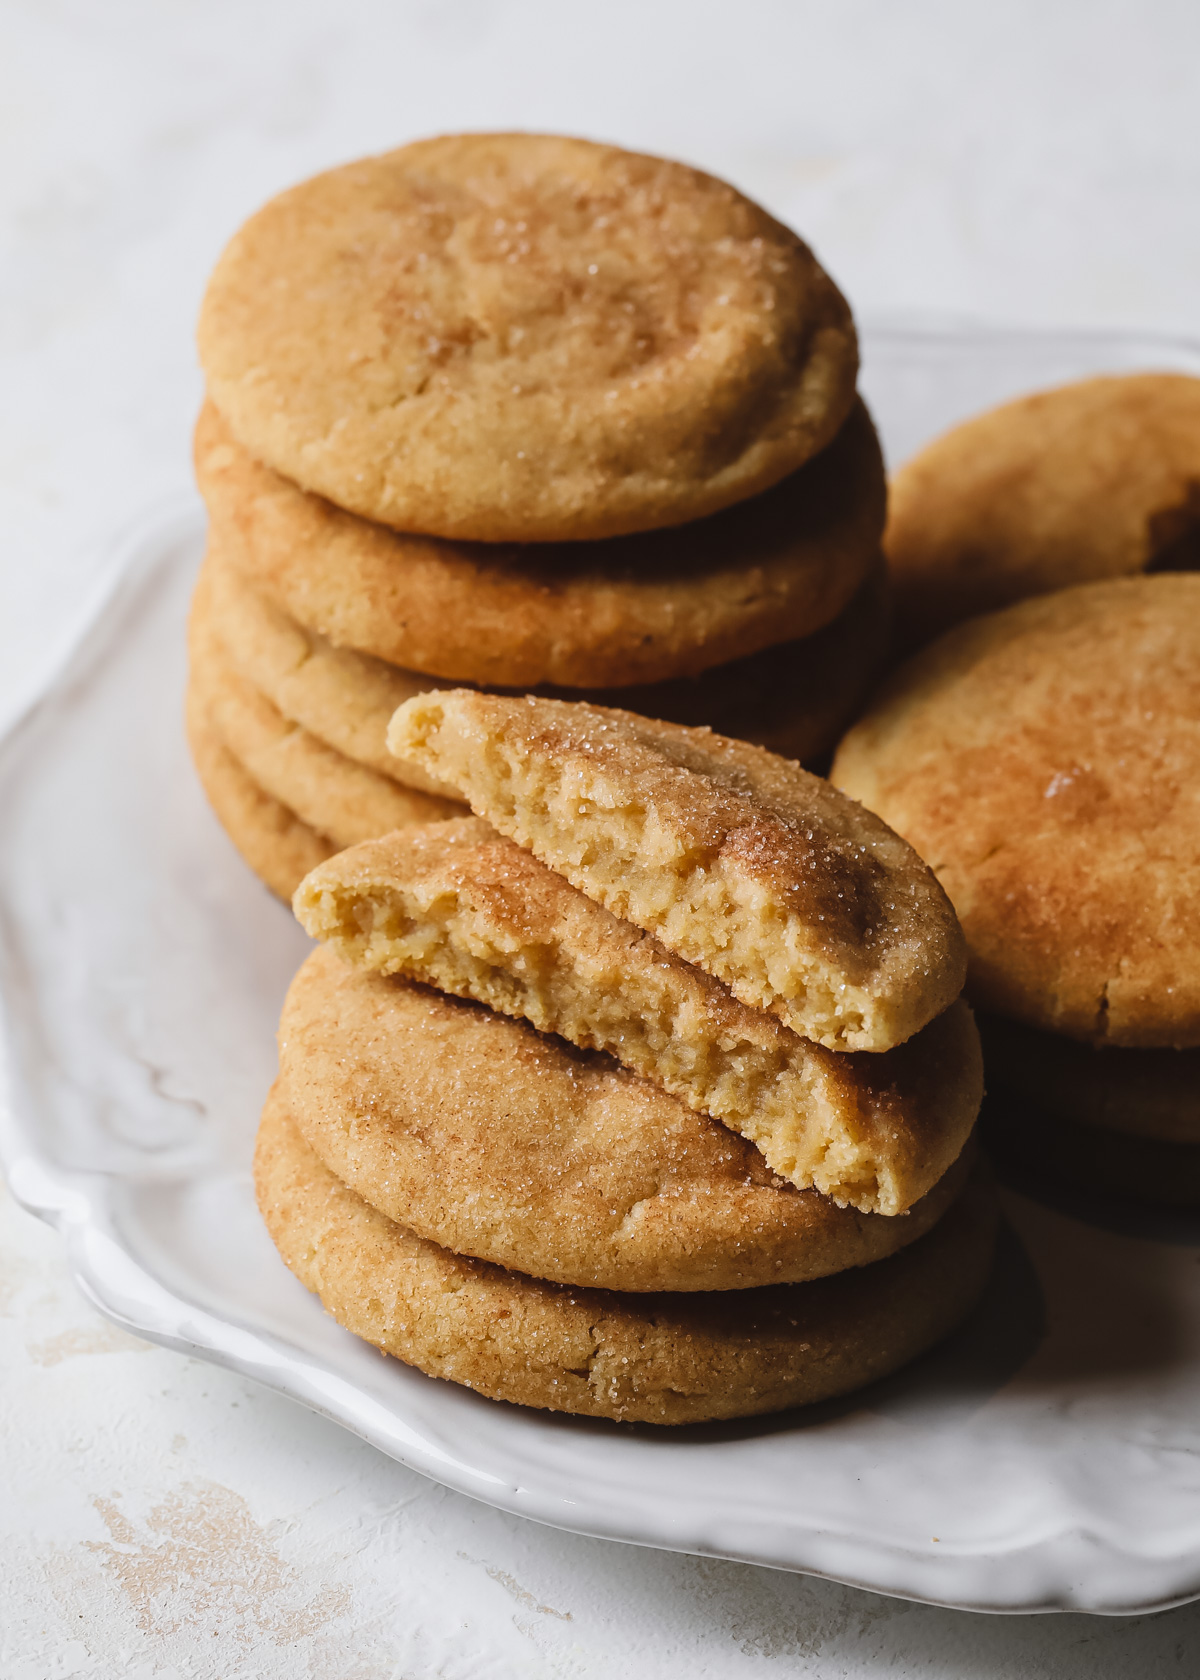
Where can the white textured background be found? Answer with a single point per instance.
(1031, 161)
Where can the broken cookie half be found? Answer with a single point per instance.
(459, 907)
(766, 877)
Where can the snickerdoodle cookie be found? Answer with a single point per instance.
(661, 1358)
(279, 847)
(642, 609)
(457, 906)
(1088, 481)
(796, 698)
(520, 337)
(494, 1140)
(1137, 1093)
(1046, 761)
(345, 699)
(333, 794)
(737, 860)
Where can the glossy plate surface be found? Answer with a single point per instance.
(1047, 1458)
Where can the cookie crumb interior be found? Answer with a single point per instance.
(801, 902)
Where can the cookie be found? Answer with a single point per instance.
(345, 699)
(520, 337)
(737, 860)
(1089, 481)
(642, 609)
(329, 792)
(508, 1145)
(1137, 1093)
(456, 906)
(280, 849)
(637, 1358)
(796, 699)
(1046, 760)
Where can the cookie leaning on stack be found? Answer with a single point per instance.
(521, 412)
(528, 1216)
(1046, 760)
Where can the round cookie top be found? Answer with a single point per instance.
(494, 1140)
(642, 609)
(1046, 760)
(1087, 481)
(519, 337)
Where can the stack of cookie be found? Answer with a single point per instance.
(530, 414)
(1047, 759)
(492, 1148)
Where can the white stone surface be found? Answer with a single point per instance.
(1032, 162)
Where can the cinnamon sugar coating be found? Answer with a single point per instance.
(796, 698)
(1087, 481)
(639, 609)
(496, 1141)
(279, 847)
(519, 337)
(1046, 760)
(663, 1358)
(330, 793)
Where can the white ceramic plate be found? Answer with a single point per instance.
(1047, 1458)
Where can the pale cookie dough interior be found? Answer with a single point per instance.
(737, 860)
(457, 906)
